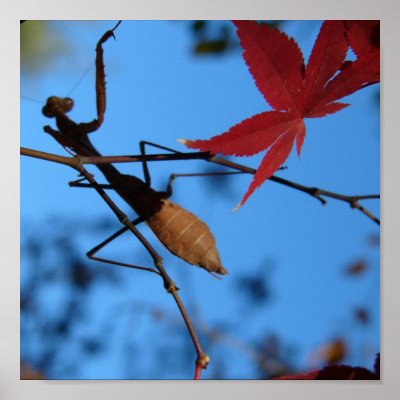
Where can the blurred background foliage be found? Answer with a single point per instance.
(39, 43)
(63, 337)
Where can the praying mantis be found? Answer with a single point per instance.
(179, 230)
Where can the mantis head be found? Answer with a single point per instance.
(56, 106)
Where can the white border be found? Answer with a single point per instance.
(10, 385)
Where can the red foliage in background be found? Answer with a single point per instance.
(296, 91)
(339, 372)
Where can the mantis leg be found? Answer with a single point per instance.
(78, 183)
(91, 253)
(142, 145)
(172, 177)
(92, 126)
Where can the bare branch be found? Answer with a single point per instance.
(317, 193)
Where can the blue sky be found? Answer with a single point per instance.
(158, 91)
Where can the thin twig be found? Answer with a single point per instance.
(217, 336)
(202, 359)
(70, 161)
(317, 193)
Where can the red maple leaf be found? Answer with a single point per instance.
(363, 36)
(293, 90)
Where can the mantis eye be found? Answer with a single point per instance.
(67, 104)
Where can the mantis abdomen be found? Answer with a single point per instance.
(186, 236)
(180, 231)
